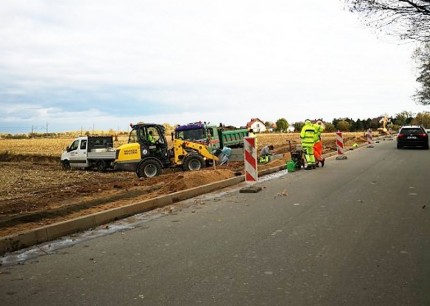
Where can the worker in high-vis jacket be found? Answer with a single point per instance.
(307, 136)
(151, 138)
(265, 152)
(318, 147)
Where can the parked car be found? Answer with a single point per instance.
(412, 136)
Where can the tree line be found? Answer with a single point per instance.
(359, 125)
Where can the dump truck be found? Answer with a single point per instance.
(89, 152)
(147, 152)
(215, 137)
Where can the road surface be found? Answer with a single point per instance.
(356, 232)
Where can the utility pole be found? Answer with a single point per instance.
(46, 127)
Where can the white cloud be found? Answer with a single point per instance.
(219, 61)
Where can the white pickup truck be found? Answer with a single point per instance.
(89, 152)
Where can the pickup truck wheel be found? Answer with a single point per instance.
(149, 168)
(193, 163)
(65, 165)
(101, 165)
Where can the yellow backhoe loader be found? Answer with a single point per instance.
(147, 152)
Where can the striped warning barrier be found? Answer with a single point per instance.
(340, 148)
(369, 137)
(250, 158)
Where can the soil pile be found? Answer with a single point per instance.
(187, 180)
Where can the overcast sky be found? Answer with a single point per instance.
(67, 65)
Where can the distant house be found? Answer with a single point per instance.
(271, 128)
(256, 125)
(291, 129)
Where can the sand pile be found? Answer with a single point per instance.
(185, 180)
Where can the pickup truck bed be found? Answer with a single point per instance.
(105, 154)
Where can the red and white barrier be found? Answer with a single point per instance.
(250, 158)
(369, 137)
(339, 145)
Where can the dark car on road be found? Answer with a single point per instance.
(412, 136)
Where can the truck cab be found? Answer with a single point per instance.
(195, 132)
(75, 155)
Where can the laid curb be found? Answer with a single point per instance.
(53, 231)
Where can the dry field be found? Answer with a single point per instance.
(51, 147)
(35, 191)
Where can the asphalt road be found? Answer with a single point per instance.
(356, 232)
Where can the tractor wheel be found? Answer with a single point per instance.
(148, 168)
(193, 163)
(101, 166)
(65, 165)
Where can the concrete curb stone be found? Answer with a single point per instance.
(53, 231)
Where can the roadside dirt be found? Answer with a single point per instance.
(35, 191)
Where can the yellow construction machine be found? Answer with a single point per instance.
(147, 152)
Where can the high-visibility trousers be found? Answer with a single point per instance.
(308, 149)
(318, 149)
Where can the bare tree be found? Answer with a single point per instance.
(409, 19)
(422, 58)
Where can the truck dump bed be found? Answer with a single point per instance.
(233, 138)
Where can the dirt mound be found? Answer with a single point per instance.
(187, 180)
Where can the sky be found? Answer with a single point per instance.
(103, 64)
